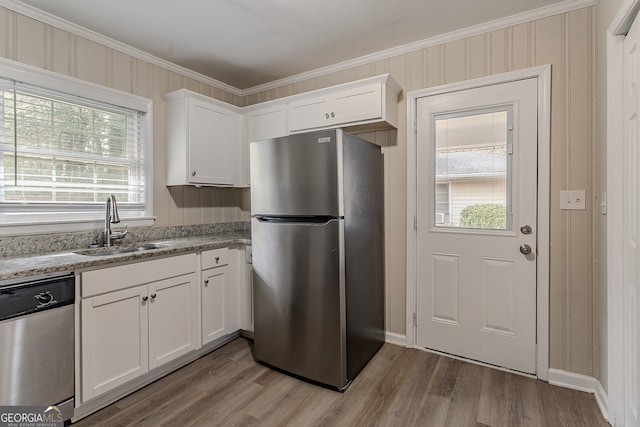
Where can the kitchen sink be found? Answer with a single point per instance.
(118, 251)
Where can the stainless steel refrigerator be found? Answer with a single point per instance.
(317, 240)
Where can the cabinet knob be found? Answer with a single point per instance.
(144, 299)
(217, 259)
(193, 173)
(333, 114)
(153, 296)
(326, 115)
(206, 282)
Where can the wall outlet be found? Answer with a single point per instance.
(572, 199)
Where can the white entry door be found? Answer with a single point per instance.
(631, 224)
(476, 223)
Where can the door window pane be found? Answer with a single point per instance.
(472, 168)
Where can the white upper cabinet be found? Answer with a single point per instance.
(204, 141)
(310, 113)
(372, 101)
(263, 122)
(266, 122)
(208, 140)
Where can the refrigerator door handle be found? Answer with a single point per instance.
(316, 220)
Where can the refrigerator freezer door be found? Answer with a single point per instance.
(299, 306)
(297, 175)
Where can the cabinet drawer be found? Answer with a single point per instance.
(215, 258)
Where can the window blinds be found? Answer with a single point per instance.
(60, 152)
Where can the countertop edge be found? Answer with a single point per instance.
(68, 261)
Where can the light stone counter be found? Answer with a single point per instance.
(68, 261)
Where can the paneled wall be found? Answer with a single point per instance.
(567, 42)
(32, 42)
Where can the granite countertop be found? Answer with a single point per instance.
(68, 261)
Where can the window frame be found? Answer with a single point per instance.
(74, 87)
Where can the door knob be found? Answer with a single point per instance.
(525, 249)
(526, 229)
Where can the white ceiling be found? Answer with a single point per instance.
(245, 43)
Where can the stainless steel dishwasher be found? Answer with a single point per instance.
(37, 342)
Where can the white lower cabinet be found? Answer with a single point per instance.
(140, 316)
(134, 318)
(173, 319)
(220, 294)
(213, 297)
(114, 340)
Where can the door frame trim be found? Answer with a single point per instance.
(543, 75)
(616, 33)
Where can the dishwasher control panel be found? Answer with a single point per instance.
(30, 296)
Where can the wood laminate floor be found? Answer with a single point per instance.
(399, 387)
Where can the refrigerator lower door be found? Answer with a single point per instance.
(299, 304)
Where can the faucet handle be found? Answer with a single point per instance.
(120, 234)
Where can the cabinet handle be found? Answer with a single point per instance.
(144, 299)
(153, 296)
(217, 259)
(193, 173)
(206, 282)
(333, 114)
(326, 116)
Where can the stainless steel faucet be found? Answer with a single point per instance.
(112, 217)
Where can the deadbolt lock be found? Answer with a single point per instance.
(526, 229)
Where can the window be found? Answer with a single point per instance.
(62, 155)
(473, 169)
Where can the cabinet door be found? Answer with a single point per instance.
(173, 318)
(267, 123)
(114, 340)
(357, 105)
(249, 301)
(213, 303)
(309, 114)
(232, 305)
(212, 137)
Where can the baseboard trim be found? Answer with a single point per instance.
(395, 339)
(602, 399)
(584, 383)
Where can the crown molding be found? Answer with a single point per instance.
(47, 18)
(543, 12)
(509, 21)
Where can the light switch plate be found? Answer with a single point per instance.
(572, 200)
